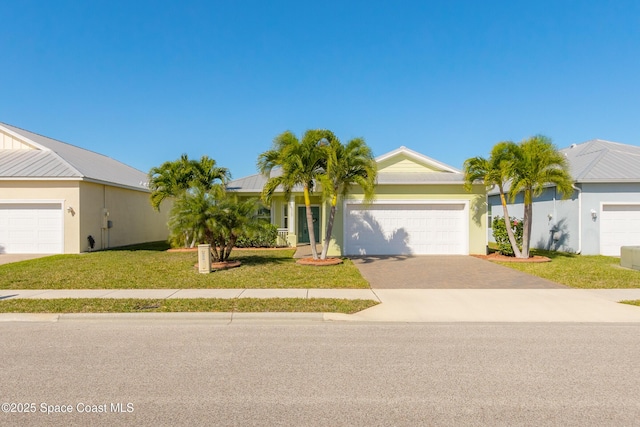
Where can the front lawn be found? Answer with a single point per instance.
(152, 267)
(580, 271)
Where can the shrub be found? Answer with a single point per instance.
(266, 237)
(501, 236)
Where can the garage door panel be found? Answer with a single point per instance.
(31, 228)
(619, 226)
(405, 229)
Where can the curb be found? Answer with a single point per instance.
(177, 316)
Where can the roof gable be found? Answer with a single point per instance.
(403, 160)
(25, 154)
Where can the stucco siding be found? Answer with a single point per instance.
(132, 218)
(555, 220)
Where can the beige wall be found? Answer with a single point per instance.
(130, 212)
(63, 191)
(134, 220)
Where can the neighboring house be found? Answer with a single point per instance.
(601, 215)
(421, 208)
(53, 196)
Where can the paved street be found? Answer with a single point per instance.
(321, 373)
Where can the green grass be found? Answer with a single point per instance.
(152, 267)
(580, 271)
(632, 302)
(246, 305)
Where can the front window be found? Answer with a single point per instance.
(264, 213)
(285, 217)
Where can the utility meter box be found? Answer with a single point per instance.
(204, 259)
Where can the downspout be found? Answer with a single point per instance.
(489, 213)
(579, 218)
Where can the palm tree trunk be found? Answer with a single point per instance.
(312, 234)
(327, 238)
(526, 232)
(507, 223)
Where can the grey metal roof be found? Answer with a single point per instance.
(55, 159)
(255, 183)
(603, 161)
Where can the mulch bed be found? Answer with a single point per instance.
(319, 262)
(503, 258)
(235, 249)
(221, 265)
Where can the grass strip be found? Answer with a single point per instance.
(580, 271)
(135, 305)
(631, 302)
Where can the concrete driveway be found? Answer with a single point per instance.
(444, 272)
(9, 258)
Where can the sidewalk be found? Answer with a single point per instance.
(409, 305)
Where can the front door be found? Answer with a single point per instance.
(303, 230)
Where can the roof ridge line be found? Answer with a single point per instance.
(591, 165)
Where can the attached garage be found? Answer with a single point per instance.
(407, 228)
(619, 226)
(31, 228)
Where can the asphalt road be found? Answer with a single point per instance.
(319, 373)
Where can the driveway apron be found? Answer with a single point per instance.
(444, 272)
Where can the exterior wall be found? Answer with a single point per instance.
(477, 209)
(405, 165)
(555, 220)
(593, 196)
(561, 232)
(64, 191)
(130, 212)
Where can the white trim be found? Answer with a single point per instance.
(579, 190)
(463, 202)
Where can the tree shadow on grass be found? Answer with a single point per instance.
(160, 246)
(262, 260)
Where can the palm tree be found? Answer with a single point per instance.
(206, 174)
(233, 217)
(536, 163)
(494, 171)
(346, 165)
(169, 180)
(208, 217)
(300, 163)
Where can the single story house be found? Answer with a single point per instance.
(54, 195)
(421, 208)
(601, 215)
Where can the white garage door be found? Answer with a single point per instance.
(31, 228)
(619, 226)
(406, 229)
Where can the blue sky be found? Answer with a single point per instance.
(145, 81)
